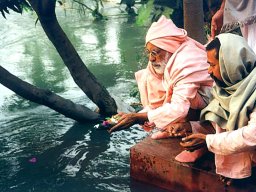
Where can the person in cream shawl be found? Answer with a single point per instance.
(232, 111)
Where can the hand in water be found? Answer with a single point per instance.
(125, 120)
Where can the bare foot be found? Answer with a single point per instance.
(227, 181)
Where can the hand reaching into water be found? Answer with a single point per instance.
(126, 120)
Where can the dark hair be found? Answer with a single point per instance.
(214, 44)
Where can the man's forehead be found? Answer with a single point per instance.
(150, 45)
(211, 53)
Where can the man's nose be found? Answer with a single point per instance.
(151, 58)
(209, 70)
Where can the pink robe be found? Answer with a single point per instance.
(234, 150)
(185, 84)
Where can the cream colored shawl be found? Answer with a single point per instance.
(232, 105)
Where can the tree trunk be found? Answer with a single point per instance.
(82, 76)
(47, 98)
(194, 19)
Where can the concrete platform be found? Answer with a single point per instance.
(152, 162)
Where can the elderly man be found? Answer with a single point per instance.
(175, 80)
(232, 111)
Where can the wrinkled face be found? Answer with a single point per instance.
(214, 68)
(158, 58)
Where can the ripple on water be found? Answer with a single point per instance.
(69, 156)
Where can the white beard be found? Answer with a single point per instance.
(160, 66)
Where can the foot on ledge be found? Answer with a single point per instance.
(190, 157)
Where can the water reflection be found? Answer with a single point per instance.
(45, 66)
(67, 156)
(111, 48)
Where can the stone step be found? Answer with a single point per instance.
(152, 162)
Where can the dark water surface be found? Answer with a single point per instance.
(41, 150)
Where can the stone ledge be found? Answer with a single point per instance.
(152, 162)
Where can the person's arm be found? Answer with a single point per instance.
(242, 139)
(217, 20)
(225, 143)
(177, 109)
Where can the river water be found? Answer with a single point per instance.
(41, 150)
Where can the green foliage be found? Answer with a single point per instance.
(167, 12)
(144, 13)
(134, 92)
(150, 12)
(15, 5)
(207, 28)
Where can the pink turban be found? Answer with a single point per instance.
(166, 35)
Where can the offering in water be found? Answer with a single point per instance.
(108, 122)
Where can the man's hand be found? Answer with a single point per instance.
(194, 142)
(217, 20)
(127, 120)
(179, 129)
(216, 24)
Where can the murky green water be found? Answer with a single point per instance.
(41, 150)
